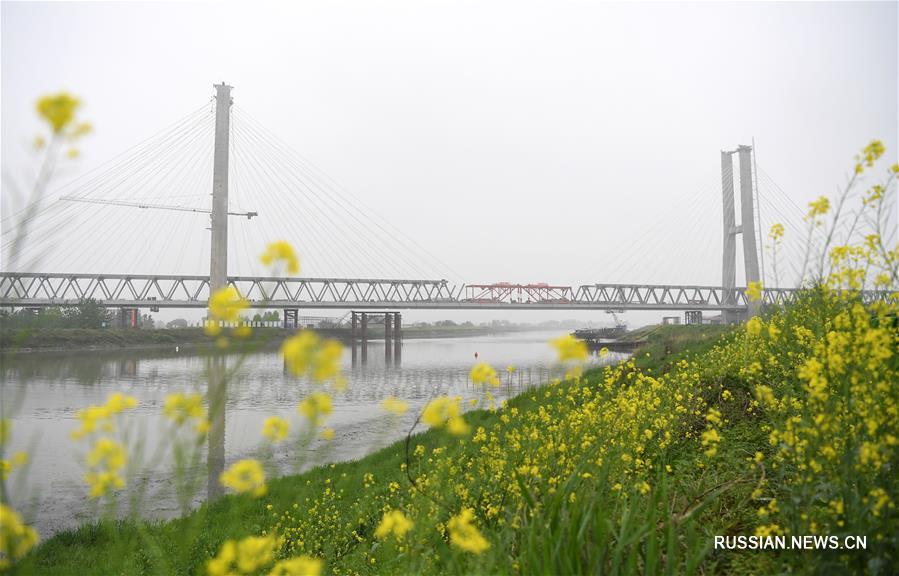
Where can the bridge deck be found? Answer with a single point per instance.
(142, 291)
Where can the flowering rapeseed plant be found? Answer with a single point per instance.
(225, 305)
(281, 251)
(394, 405)
(464, 534)
(394, 523)
(297, 566)
(181, 408)
(483, 373)
(16, 537)
(102, 415)
(243, 557)
(58, 110)
(18, 460)
(105, 462)
(245, 476)
(570, 348)
(315, 406)
(754, 291)
(307, 354)
(275, 429)
(445, 411)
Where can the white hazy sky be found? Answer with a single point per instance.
(561, 142)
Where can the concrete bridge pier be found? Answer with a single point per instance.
(354, 321)
(388, 334)
(397, 338)
(364, 337)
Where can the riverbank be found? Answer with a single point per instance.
(629, 469)
(127, 547)
(79, 340)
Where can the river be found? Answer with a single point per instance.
(44, 391)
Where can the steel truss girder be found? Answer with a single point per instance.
(21, 289)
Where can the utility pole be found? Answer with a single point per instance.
(218, 265)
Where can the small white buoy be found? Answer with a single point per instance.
(176, 348)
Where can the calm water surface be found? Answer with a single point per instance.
(45, 391)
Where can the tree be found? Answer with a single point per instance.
(88, 313)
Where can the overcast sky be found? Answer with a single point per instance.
(561, 142)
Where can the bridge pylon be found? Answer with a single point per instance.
(218, 258)
(731, 229)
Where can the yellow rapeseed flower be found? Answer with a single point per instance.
(570, 348)
(777, 231)
(118, 402)
(394, 523)
(104, 462)
(754, 326)
(314, 406)
(254, 552)
(107, 453)
(484, 373)
(872, 152)
(16, 538)
(103, 481)
(226, 304)
(464, 534)
(81, 129)
(394, 405)
(246, 556)
(180, 407)
(281, 251)
(754, 291)
(275, 429)
(101, 415)
(306, 354)
(818, 207)
(58, 110)
(445, 411)
(223, 562)
(18, 460)
(297, 566)
(245, 476)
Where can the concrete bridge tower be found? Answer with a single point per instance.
(218, 265)
(731, 229)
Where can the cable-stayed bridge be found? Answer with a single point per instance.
(161, 177)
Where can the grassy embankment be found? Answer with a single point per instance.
(631, 469)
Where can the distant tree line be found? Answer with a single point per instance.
(87, 313)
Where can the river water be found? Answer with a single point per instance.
(44, 391)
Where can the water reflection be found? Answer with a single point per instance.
(47, 389)
(217, 398)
